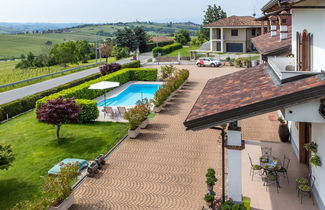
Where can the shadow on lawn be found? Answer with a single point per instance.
(13, 191)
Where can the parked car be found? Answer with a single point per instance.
(208, 62)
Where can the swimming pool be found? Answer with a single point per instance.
(131, 95)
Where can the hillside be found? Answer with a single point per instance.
(12, 46)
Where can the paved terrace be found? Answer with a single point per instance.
(165, 167)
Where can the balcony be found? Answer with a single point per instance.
(284, 69)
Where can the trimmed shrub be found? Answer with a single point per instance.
(122, 76)
(166, 49)
(150, 46)
(89, 111)
(109, 68)
(133, 64)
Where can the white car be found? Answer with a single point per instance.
(208, 62)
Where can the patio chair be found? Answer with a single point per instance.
(254, 168)
(284, 169)
(266, 152)
(108, 111)
(121, 110)
(302, 180)
(271, 178)
(306, 189)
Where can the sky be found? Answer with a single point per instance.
(104, 11)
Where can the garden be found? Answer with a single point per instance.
(35, 146)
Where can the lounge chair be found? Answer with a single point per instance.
(108, 111)
(121, 110)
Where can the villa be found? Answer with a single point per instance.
(233, 34)
(294, 86)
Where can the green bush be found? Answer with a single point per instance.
(89, 110)
(136, 115)
(150, 46)
(121, 52)
(166, 49)
(133, 64)
(82, 91)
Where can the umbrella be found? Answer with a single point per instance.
(104, 85)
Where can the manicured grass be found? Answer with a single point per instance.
(9, 74)
(185, 51)
(37, 150)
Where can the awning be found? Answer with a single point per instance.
(104, 85)
(248, 93)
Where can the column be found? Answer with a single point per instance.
(211, 37)
(262, 29)
(234, 145)
(221, 39)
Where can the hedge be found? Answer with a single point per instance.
(122, 76)
(19, 106)
(166, 49)
(150, 46)
(89, 110)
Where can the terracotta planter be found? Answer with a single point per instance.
(210, 188)
(134, 133)
(144, 124)
(66, 204)
(157, 109)
(209, 204)
(284, 132)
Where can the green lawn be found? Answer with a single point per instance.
(9, 74)
(185, 51)
(37, 150)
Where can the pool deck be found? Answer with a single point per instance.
(113, 93)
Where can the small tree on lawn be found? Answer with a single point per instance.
(6, 157)
(59, 111)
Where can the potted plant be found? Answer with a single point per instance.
(211, 181)
(209, 199)
(311, 147)
(160, 98)
(135, 118)
(144, 107)
(315, 160)
(283, 130)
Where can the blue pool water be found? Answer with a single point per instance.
(131, 95)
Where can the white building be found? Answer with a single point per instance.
(294, 84)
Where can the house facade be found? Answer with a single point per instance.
(292, 83)
(233, 34)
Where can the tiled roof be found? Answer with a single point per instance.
(161, 39)
(247, 93)
(266, 44)
(235, 21)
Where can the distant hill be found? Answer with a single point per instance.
(13, 45)
(12, 28)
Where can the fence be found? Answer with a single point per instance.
(47, 75)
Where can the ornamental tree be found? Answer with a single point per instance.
(59, 111)
(6, 157)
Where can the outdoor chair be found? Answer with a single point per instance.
(284, 169)
(271, 178)
(254, 168)
(306, 189)
(108, 111)
(302, 180)
(121, 110)
(266, 152)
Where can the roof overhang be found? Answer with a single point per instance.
(209, 110)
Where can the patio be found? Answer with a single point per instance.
(270, 199)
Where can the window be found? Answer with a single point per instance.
(253, 32)
(234, 32)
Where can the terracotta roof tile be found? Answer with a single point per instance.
(266, 44)
(161, 39)
(240, 90)
(235, 21)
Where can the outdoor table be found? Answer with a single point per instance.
(271, 165)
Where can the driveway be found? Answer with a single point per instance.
(164, 168)
(18, 93)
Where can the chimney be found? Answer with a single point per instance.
(274, 23)
(284, 19)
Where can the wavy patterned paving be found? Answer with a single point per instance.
(165, 167)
